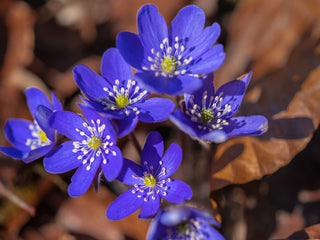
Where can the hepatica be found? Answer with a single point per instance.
(92, 148)
(151, 181)
(118, 95)
(171, 60)
(208, 114)
(180, 222)
(32, 140)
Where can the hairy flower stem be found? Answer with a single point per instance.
(136, 143)
(210, 150)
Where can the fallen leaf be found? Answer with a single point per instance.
(290, 99)
(288, 222)
(87, 215)
(312, 232)
(264, 33)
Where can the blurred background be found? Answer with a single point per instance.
(265, 187)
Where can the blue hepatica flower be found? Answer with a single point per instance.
(208, 113)
(180, 222)
(151, 181)
(171, 60)
(93, 147)
(118, 96)
(32, 140)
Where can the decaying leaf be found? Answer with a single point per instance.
(87, 215)
(265, 33)
(290, 99)
(312, 232)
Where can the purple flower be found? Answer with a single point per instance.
(208, 114)
(182, 222)
(151, 181)
(171, 60)
(32, 140)
(118, 96)
(93, 147)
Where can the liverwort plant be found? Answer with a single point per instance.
(92, 149)
(171, 60)
(32, 140)
(208, 114)
(151, 181)
(180, 222)
(118, 96)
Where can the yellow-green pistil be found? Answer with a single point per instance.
(149, 180)
(207, 115)
(42, 136)
(121, 100)
(94, 142)
(169, 64)
(183, 228)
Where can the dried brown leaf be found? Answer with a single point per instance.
(312, 232)
(265, 32)
(87, 215)
(290, 100)
(287, 223)
(20, 20)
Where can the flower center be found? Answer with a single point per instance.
(207, 115)
(183, 228)
(121, 100)
(94, 142)
(169, 63)
(149, 180)
(43, 137)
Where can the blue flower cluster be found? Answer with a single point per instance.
(177, 60)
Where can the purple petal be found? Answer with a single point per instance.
(131, 173)
(216, 136)
(113, 114)
(126, 204)
(198, 95)
(171, 160)
(184, 123)
(209, 61)
(175, 85)
(36, 153)
(90, 83)
(66, 123)
(152, 27)
(114, 67)
(113, 165)
(246, 126)
(232, 93)
(204, 42)
(18, 131)
(35, 97)
(127, 125)
(41, 115)
(188, 23)
(61, 159)
(12, 152)
(211, 233)
(149, 81)
(150, 207)
(177, 192)
(183, 84)
(155, 109)
(156, 229)
(82, 179)
(152, 151)
(92, 115)
(131, 48)
(175, 214)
